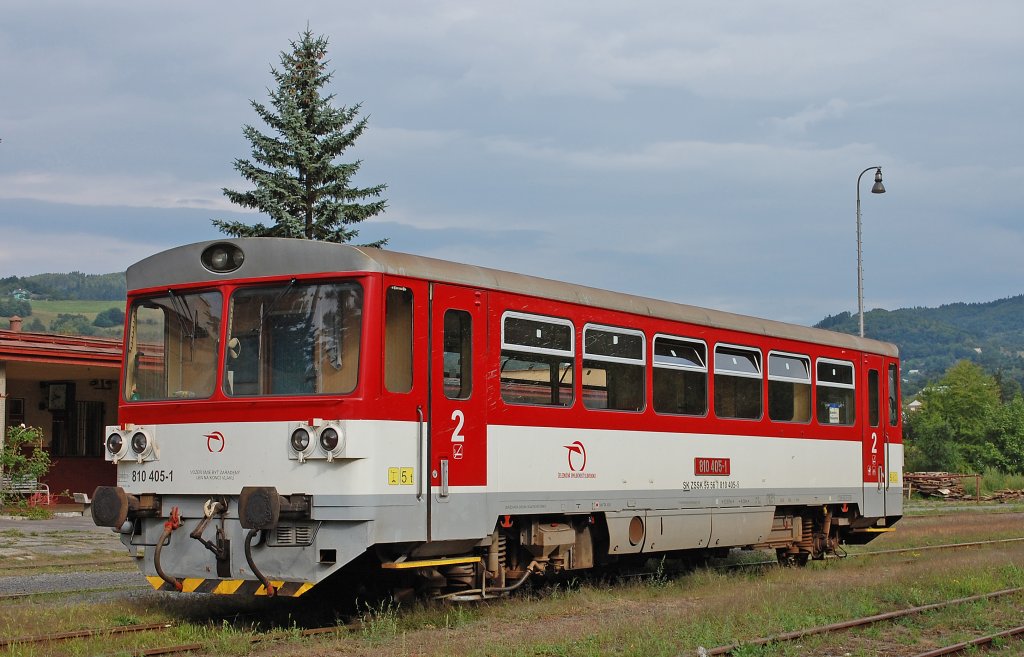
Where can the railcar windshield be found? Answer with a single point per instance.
(172, 346)
(293, 339)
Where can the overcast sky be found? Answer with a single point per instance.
(701, 152)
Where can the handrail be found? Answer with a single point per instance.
(419, 454)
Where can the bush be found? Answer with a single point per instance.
(68, 324)
(109, 317)
(10, 307)
(23, 455)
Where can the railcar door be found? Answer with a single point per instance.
(458, 422)
(875, 437)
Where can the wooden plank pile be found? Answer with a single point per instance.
(936, 484)
(950, 486)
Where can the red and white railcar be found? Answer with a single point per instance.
(291, 408)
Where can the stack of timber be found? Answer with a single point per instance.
(935, 484)
(950, 486)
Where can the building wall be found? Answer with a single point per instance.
(78, 466)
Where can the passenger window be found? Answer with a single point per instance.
(537, 355)
(738, 382)
(680, 376)
(458, 354)
(835, 392)
(398, 340)
(894, 395)
(873, 398)
(789, 388)
(613, 368)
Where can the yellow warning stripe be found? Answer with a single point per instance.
(232, 586)
(428, 563)
(228, 586)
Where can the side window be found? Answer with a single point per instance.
(835, 392)
(894, 395)
(789, 387)
(613, 368)
(458, 354)
(680, 376)
(537, 356)
(398, 340)
(873, 398)
(738, 382)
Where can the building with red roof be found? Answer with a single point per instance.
(67, 385)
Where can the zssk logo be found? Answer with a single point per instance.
(577, 456)
(215, 442)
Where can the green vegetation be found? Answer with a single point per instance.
(76, 285)
(76, 317)
(965, 425)
(298, 183)
(931, 340)
(22, 457)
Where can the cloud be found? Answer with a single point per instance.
(798, 123)
(104, 189)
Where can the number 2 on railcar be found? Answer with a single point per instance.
(294, 409)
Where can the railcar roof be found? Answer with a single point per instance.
(274, 257)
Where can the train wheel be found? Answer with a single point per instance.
(790, 559)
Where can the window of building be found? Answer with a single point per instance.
(835, 392)
(80, 431)
(398, 340)
(738, 384)
(789, 387)
(537, 355)
(458, 354)
(613, 368)
(680, 376)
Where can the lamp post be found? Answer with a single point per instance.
(877, 188)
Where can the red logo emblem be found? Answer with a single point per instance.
(215, 442)
(577, 456)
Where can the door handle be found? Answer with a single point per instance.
(444, 477)
(880, 481)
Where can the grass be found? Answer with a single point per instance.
(664, 614)
(47, 311)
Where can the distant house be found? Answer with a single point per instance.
(915, 405)
(23, 295)
(68, 386)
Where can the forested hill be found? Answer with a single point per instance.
(73, 286)
(931, 339)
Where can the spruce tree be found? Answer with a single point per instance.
(297, 180)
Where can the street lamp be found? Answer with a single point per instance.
(877, 188)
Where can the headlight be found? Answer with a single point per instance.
(222, 258)
(302, 442)
(142, 445)
(329, 439)
(140, 442)
(300, 439)
(117, 448)
(332, 441)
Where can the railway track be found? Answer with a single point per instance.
(871, 620)
(280, 633)
(122, 630)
